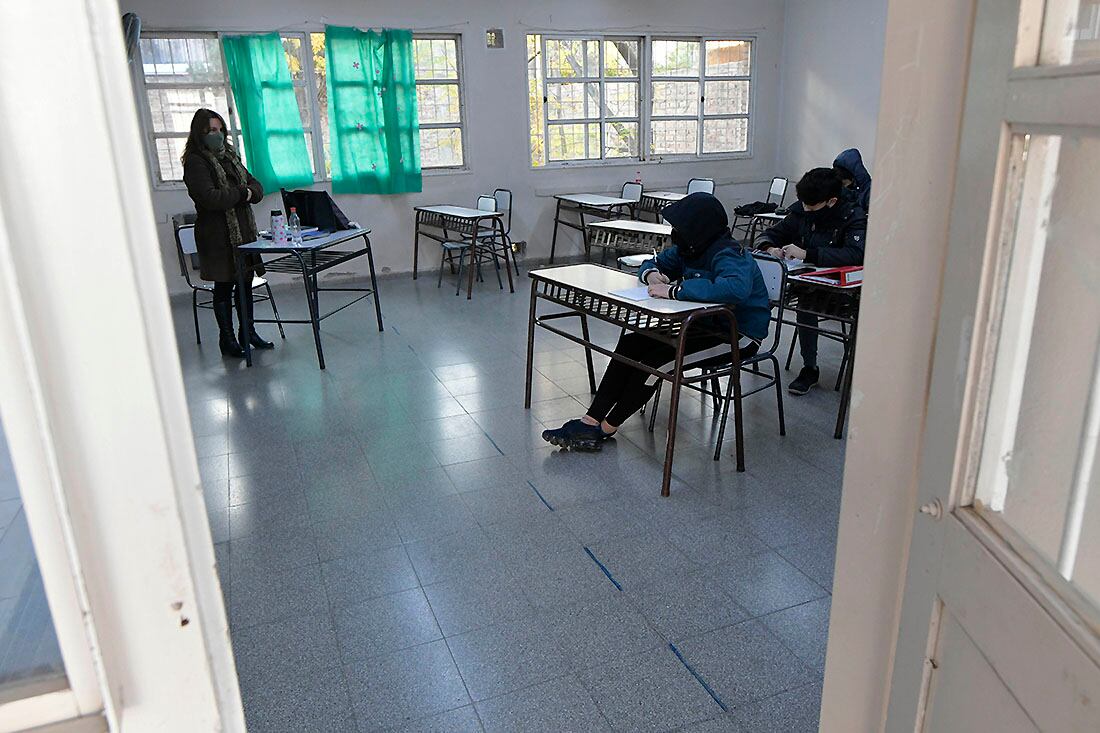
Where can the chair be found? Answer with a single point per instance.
(777, 193)
(632, 191)
(701, 185)
(775, 278)
(497, 238)
(503, 197)
(185, 248)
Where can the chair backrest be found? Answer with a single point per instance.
(778, 188)
(486, 203)
(185, 247)
(775, 278)
(632, 191)
(504, 204)
(701, 185)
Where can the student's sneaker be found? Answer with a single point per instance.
(576, 435)
(806, 379)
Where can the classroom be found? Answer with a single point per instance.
(406, 366)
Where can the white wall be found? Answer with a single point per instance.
(831, 78)
(495, 85)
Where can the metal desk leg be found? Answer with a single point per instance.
(588, 354)
(242, 290)
(846, 394)
(530, 346)
(416, 244)
(505, 246)
(314, 317)
(473, 260)
(554, 239)
(374, 282)
(584, 236)
(673, 410)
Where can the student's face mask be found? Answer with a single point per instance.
(214, 140)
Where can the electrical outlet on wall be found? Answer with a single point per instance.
(494, 38)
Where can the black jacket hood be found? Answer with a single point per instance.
(700, 219)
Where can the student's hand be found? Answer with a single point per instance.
(654, 277)
(660, 290)
(791, 252)
(775, 252)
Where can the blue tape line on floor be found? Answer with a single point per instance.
(493, 442)
(394, 329)
(604, 569)
(698, 679)
(540, 496)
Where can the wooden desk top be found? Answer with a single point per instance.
(458, 212)
(593, 199)
(600, 280)
(632, 225)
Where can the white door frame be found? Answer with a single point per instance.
(92, 394)
(919, 125)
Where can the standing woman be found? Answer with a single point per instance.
(223, 192)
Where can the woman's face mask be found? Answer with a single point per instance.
(214, 140)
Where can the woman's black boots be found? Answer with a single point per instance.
(227, 342)
(244, 304)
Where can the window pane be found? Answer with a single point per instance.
(172, 109)
(1044, 377)
(676, 58)
(622, 99)
(572, 57)
(725, 136)
(437, 103)
(675, 98)
(182, 60)
(317, 47)
(726, 98)
(573, 100)
(440, 147)
(28, 645)
(535, 108)
(620, 140)
(302, 95)
(292, 45)
(675, 137)
(728, 58)
(169, 151)
(573, 141)
(621, 58)
(1071, 32)
(435, 58)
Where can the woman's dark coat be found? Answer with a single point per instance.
(211, 203)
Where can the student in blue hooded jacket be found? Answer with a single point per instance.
(854, 177)
(704, 264)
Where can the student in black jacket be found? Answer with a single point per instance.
(825, 230)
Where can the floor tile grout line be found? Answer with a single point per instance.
(698, 678)
(540, 496)
(603, 568)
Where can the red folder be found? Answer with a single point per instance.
(841, 276)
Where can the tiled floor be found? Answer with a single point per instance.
(399, 550)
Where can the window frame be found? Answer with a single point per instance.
(320, 175)
(602, 79)
(143, 87)
(645, 99)
(458, 82)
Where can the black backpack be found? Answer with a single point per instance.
(756, 207)
(316, 209)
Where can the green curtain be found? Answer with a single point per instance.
(374, 134)
(274, 143)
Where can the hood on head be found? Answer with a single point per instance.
(699, 218)
(851, 161)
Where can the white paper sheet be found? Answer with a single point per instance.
(639, 293)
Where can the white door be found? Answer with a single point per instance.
(1000, 627)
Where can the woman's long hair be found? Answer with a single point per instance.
(200, 124)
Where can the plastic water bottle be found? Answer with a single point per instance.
(278, 228)
(295, 225)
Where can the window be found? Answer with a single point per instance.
(438, 101)
(185, 71)
(182, 72)
(585, 97)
